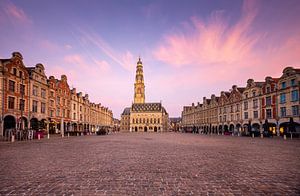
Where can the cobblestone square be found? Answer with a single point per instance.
(151, 164)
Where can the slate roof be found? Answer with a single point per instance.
(126, 111)
(146, 107)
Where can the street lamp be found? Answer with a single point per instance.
(22, 102)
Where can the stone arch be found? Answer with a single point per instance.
(284, 128)
(238, 127)
(226, 129)
(245, 129)
(255, 129)
(220, 129)
(231, 128)
(9, 123)
(43, 124)
(23, 123)
(34, 123)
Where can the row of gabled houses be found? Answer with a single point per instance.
(31, 100)
(270, 106)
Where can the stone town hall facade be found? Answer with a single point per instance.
(143, 116)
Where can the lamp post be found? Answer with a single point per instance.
(22, 102)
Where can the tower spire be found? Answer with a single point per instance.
(139, 87)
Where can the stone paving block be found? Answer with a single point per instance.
(150, 164)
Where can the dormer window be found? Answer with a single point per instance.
(21, 74)
(268, 89)
(254, 93)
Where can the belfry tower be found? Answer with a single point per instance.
(139, 87)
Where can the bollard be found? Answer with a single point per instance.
(48, 136)
(62, 135)
(13, 138)
(77, 134)
(68, 134)
(39, 136)
(261, 135)
(291, 136)
(252, 135)
(284, 137)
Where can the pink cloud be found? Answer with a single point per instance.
(124, 59)
(75, 59)
(103, 65)
(16, 13)
(48, 45)
(68, 46)
(209, 56)
(57, 71)
(228, 52)
(89, 65)
(211, 42)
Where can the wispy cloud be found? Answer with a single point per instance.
(124, 59)
(15, 13)
(91, 66)
(49, 45)
(68, 46)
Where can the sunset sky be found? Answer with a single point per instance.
(189, 49)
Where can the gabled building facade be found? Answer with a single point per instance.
(28, 100)
(270, 107)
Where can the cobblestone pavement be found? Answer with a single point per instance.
(151, 164)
